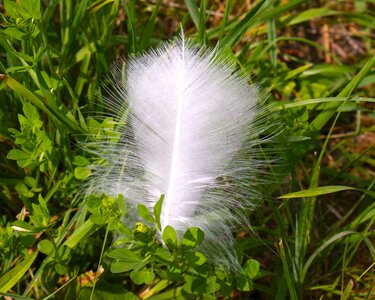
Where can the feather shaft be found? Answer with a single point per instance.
(176, 142)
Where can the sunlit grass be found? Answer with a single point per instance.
(316, 65)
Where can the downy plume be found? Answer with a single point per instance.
(187, 126)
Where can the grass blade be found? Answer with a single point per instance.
(24, 92)
(287, 273)
(8, 280)
(147, 33)
(324, 117)
(318, 191)
(193, 10)
(250, 18)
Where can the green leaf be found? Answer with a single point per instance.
(32, 7)
(193, 237)
(121, 267)
(46, 247)
(157, 210)
(323, 190)
(31, 113)
(163, 253)
(170, 236)
(93, 202)
(251, 268)
(15, 33)
(44, 209)
(244, 283)
(24, 8)
(30, 181)
(16, 154)
(124, 255)
(200, 285)
(22, 226)
(142, 276)
(128, 260)
(99, 219)
(61, 269)
(64, 252)
(14, 10)
(145, 214)
(194, 258)
(82, 173)
(10, 8)
(22, 189)
(9, 279)
(80, 161)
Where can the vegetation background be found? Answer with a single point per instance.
(314, 240)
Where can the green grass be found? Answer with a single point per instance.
(313, 239)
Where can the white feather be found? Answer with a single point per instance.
(192, 124)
